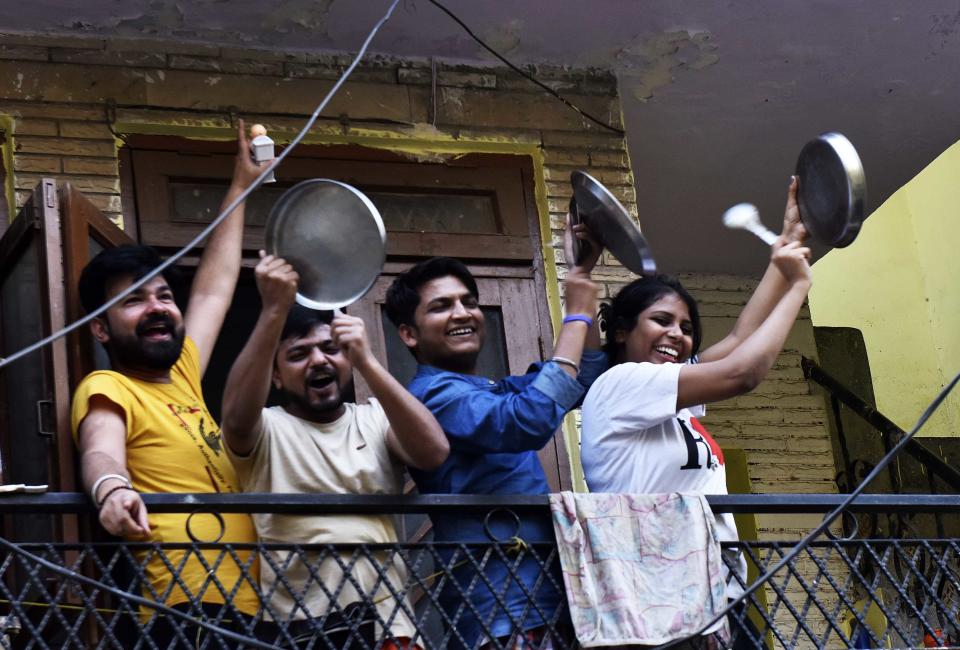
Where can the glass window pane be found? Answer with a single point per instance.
(198, 202)
(195, 202)
(423, 212)
(492, 362)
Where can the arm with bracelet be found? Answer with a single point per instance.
(579, 332)
(103, 461)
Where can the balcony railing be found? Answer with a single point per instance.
(837, 593)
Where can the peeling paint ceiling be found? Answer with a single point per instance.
(718, 97)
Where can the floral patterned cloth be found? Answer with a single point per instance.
(638, 568)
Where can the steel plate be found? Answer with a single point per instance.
(332, 234)
(595, 206)
(832, 190)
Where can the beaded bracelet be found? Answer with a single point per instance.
(115, 488)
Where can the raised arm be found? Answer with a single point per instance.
(414, 436)
(580, 297)
(771, 289)
(216, 278)
(742, 369)
(248, 383)
(102, 437)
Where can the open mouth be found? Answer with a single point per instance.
(156, 331)
(667, 353)
(462, 331)
(320, 382)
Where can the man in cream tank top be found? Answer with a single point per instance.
(317, 442)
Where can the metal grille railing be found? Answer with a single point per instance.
(859, 594)
(838, 593)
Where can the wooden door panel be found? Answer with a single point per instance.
(518, 301)
(37, 444)
(85, 230)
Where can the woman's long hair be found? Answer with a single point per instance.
(621, 312)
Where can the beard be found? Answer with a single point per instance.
(137, 351)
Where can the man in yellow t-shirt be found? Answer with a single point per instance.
(143, 426)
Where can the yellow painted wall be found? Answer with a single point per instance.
(6, 159)
(899, 283)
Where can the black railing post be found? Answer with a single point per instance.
(887, 428)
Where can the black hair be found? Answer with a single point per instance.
(300, 320)
(132, 261)
(403, 296)
(621, 313)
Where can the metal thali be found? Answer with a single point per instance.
(333, 236)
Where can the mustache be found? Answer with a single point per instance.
(153, 320)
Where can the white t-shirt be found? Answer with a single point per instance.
(347, 456)
(634, 441)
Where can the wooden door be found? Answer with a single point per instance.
(36, 446)
(41, 256)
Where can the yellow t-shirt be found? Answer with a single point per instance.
(174, 445)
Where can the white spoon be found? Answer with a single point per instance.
(745, 216)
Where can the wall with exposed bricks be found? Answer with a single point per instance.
(56, 92)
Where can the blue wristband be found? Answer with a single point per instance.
(572, 318)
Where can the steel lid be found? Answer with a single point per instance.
(332, 234)
(593, 204)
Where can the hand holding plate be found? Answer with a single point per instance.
(276, 282)
(793, 228)
(581, 247)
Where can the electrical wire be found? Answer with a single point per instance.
(223, 215)
(827, 520)
(524, 74)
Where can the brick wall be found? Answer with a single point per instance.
(56, 91)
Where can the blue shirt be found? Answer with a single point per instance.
(495, 429)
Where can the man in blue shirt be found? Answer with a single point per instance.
(495, 430)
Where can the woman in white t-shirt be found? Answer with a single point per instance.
(640, 432)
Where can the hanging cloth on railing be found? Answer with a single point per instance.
(638, 569)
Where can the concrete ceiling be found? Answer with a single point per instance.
(718, 97)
